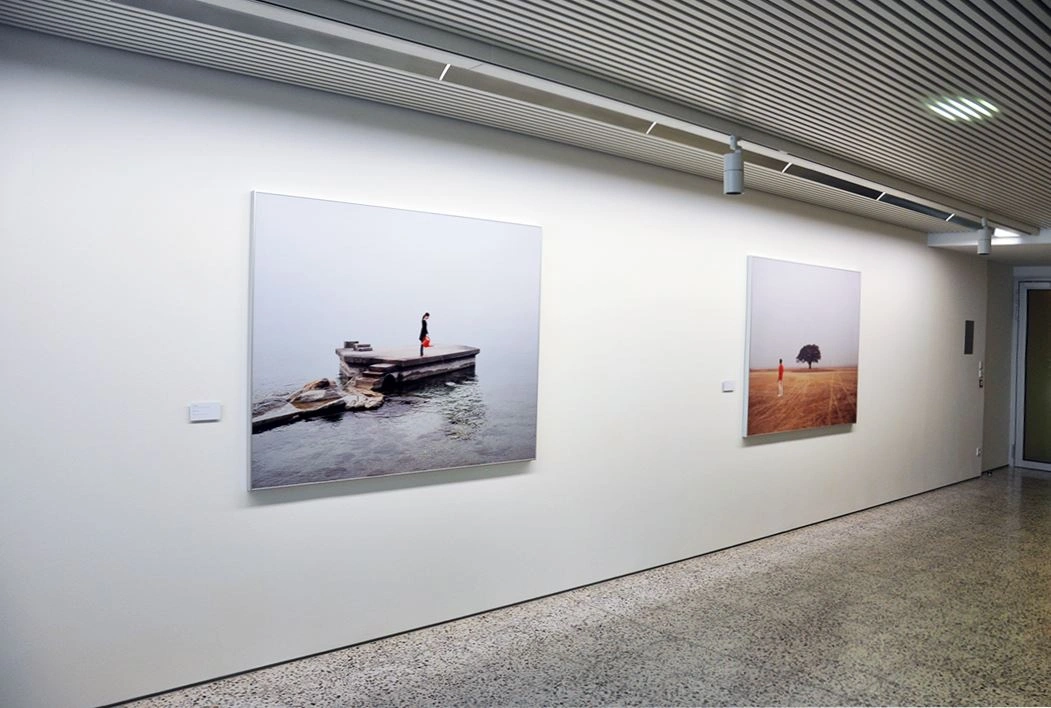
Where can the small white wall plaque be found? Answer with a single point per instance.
(205, 412)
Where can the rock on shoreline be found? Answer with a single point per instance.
(321, 397)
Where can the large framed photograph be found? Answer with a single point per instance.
(802, 348)
(386, 341)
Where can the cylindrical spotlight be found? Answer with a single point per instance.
(733, 169)
(985, 238)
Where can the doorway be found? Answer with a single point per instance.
(1032, 445)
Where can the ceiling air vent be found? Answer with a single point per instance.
(962, 221)
(831, 181)
(916, 206)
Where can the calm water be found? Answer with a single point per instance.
(483, 417)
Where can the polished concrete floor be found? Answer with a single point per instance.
(940, 599)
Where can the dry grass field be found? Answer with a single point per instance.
(813, 398)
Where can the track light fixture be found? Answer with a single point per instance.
(733, 169)
(985, 238)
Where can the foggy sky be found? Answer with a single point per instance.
(327, 271)
(792, 304)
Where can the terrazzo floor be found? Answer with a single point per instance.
(939, 599)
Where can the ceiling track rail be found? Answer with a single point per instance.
(261, 24)
(853, 80)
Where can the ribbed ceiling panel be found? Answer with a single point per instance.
(851, 78)
(462, 96)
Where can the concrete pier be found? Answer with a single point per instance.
(363, 373)
(390, 368)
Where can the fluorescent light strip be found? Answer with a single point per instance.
(786, 168)
(963, 107)
(444, 72)
(988, 105)
(949, 218)
(881, 195)
(941, 111)
(960, 104)
(652, 126)
(981, 109)
(951, 107)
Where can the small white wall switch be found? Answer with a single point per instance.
(205, 412)
(729, 386)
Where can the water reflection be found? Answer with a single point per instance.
(457, 397)
(448, 421)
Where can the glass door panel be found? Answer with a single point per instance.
(1033, 374)
(1036, 436)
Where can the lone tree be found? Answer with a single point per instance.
(810, 353)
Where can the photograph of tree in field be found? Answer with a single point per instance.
(802, 352)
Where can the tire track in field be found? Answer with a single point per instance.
(811, 399)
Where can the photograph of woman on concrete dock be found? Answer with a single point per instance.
(348, 380)
(809, 316)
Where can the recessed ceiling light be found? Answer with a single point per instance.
(941, 111)
(963, 108)
(985, 112)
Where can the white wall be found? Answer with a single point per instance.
(996, 435)
(133, 559)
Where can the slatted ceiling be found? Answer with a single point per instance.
(398, 90)
(765, 98)
(729, 93)
(898, 141)
(471, 97)
(490, 84)
(682, 137)
(850, 77)
(301, 67)
(971, 30)
(1023, 24)
(965, 81)
(250, 26)
(708, 165)
(673, 57)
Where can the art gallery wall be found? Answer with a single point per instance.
(132, 557)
